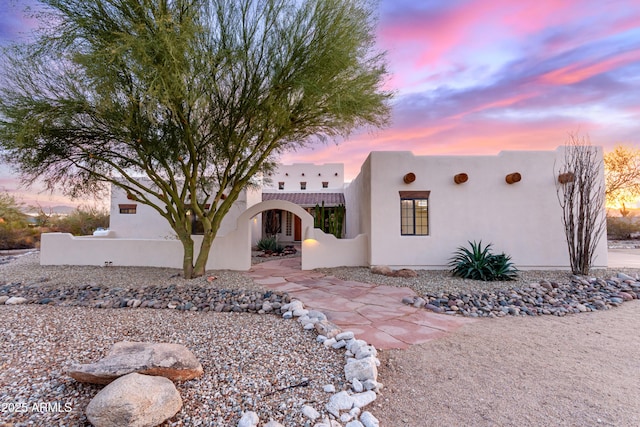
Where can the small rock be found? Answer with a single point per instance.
(625, 277)
(408, 300)
(368, 420)
(249, 419)
(310, 412)
(362, 369)
(3, 299)
(329, 388)
(361, 400)
(339, 402)
(347, 335)
(327, 328)
(357, 386)
(346, 417)
(15, 301)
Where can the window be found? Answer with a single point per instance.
(325, 184)
(281, 185)
(289, 224)
(414, 213)
(127, 209)
(303, 185)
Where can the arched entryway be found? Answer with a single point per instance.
(304, 228)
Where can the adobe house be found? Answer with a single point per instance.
(401, 210)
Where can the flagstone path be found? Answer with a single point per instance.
(375, 313)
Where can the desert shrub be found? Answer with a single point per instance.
(622, 227)
(18, 237)
(15, 232)
(270, 244)
(81, 222)
(480, 263)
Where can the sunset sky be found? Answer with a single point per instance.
(481, 76)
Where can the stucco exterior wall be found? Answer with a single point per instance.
(147, 223)
(65, 249)
(521, 219)
(313, 175)
(358, 206)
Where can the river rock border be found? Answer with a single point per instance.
(543, 298)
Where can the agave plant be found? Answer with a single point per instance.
(480, 263)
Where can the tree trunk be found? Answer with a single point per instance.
(187, 260)
(203, 256)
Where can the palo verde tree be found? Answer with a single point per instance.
(182, 102)
(580, 190)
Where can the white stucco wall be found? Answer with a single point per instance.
(521, 219)
(313, 175)
(231, 251)
(147, 223)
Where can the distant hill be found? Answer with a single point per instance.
(50, 210)
(61, 209)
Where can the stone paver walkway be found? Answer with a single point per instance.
(375, 313)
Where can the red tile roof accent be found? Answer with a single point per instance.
(307, 199)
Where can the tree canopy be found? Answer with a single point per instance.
(183, 102)
(622, 174)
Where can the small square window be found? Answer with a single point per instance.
(281, 185)
(303, 185)
(325, 184)
(127, 209)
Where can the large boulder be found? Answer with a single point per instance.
(404, 273)
(134, 400)
(173, 361)
(381, 269)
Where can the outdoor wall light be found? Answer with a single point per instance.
(460, 178)
(309, 234)
(409, 178)
(512, 178)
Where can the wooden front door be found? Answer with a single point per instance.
(297, 229)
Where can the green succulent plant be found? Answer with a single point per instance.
(480, 263)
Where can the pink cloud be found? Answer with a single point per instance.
(583, 70)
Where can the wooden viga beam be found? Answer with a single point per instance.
(409, 178)
(512, 178)
(566, 177)
(460, 178)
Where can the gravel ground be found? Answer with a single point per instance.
(245, 356)
(579, 370)
(576, 370)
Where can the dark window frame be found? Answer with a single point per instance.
(127, 209)
(415, 222)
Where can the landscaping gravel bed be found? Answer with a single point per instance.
(249, 360)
